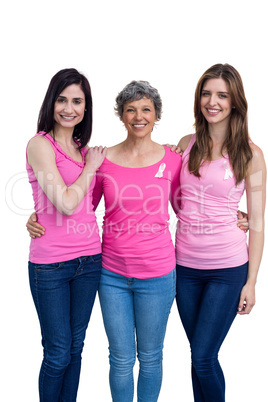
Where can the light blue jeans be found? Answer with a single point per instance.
(136, 309)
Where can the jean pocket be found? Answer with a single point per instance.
(96, 257)
(48, 267)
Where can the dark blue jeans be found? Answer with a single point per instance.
(207, 301)
(64, 295)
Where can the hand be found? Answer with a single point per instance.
(94, 158)
(242, 221)
(175, 148)
(247, 299)
(34, 229)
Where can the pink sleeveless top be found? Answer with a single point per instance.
(66, 237)
(136, 241)
(207, 235)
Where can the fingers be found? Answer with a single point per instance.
(246, 303)
(245, 308)
(242, 221)
(34, 228)
(100, 149)
(173, 148)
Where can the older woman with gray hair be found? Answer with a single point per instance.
(138, 280)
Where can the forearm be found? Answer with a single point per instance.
(70, 197)
(255, 250)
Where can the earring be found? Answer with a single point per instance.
(85, 110)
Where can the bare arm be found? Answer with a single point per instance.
(184, 142)
(41, 158)
(256, 197)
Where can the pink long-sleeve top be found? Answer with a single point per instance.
(66, 237)
(207, 235)
(136, 240)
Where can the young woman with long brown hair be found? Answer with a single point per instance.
(216, 270)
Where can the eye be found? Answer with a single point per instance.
(77, 102)
(60, 100)
(205, 93)
(147, 109)
(130, 110)
(222, 96)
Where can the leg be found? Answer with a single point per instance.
(83, 289)
(215, 314)
(116, 299)
(188, 297)
(50, 290)
(153, 299)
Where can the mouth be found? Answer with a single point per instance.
(138, 125)
(213, 111)
(67, 118)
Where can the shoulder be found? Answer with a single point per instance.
(39, 147)
(172, 156)
(185, 141)
(257, 162)
(256, 174)
(38, 142)
(113, 152)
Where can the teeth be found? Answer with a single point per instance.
(67, 118)
(213, 111)
(139, 125)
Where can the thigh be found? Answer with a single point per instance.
(51, 293)
(218, 309)
(153, 299)
(83, 289)
(189, 290)
(116, 300)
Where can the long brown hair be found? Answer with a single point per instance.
(237, 140)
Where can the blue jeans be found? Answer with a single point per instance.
(64, 295)
(138, 307)
(207, 301)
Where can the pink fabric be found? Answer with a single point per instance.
(66, 237)
(136, 238)
(207, 235)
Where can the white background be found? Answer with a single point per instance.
(170, 44)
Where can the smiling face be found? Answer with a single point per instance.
(216, 105)
(139, 117)
(69, 107)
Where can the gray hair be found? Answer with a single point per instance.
(137, 90)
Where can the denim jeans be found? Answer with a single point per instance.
(64, 295)
(136, 309)
(207, 301)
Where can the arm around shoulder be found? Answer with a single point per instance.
(41, 158)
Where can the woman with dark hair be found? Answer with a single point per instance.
(69, 76)
(216, 271)
(138, 279)
(65, 263)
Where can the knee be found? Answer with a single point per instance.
(57, 359)
(150, 359)
(204, 365)
(123, 363)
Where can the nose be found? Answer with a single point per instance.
(138, 115)
(68, 107)
(212, 100)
